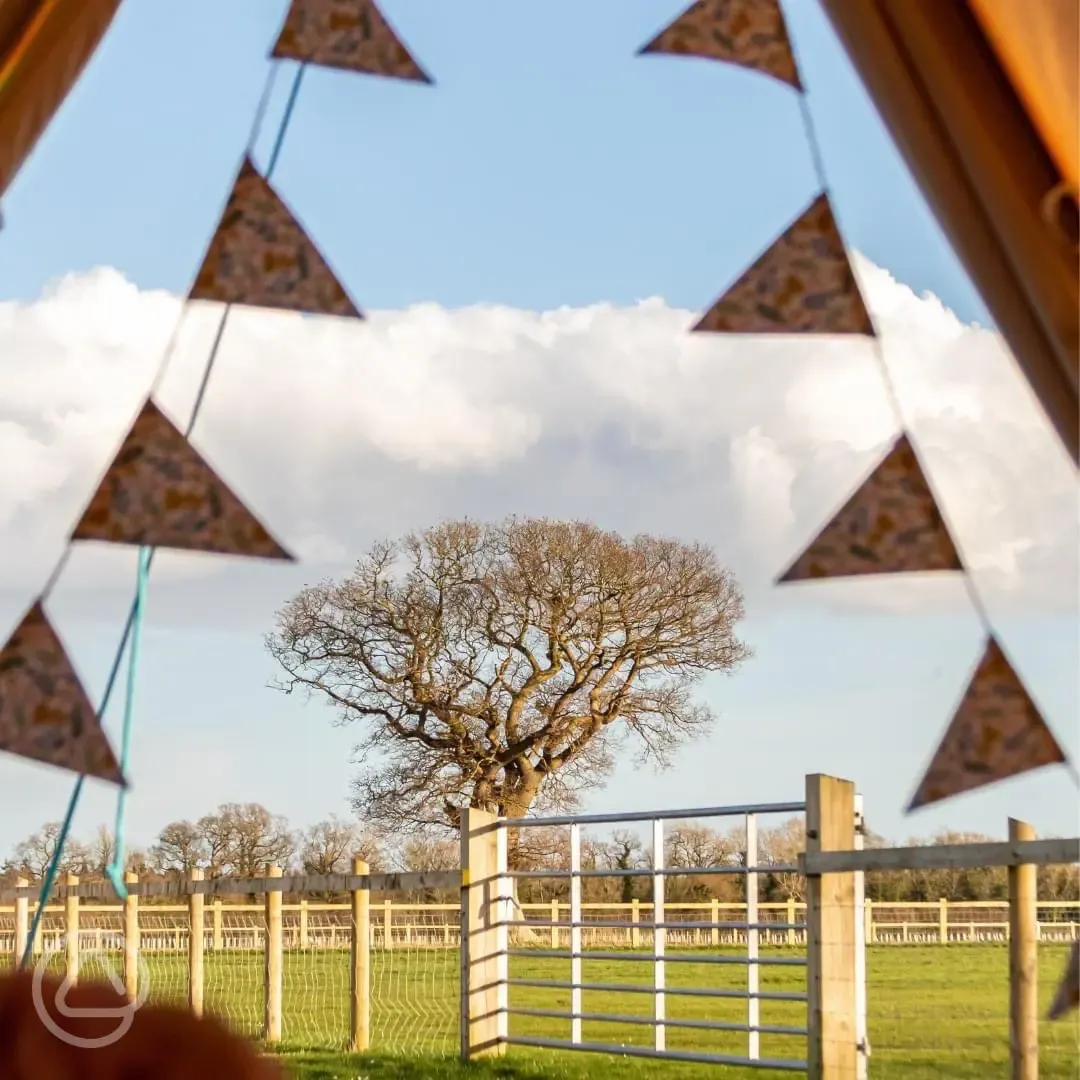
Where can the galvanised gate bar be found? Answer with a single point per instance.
(508, 925)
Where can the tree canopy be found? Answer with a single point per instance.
(500, 666)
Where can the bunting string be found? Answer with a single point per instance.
(158, 491)
(146, 561)
(805, 283)
(891, 391)
(997, 730)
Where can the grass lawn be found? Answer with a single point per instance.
(934, 1012)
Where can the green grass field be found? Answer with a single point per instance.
(934, 1011)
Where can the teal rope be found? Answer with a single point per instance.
(115, 870)
(54, 866)
(65, 829)
(50, 874)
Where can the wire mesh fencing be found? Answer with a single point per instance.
(298, 972)
(939, 994)
(415, 978)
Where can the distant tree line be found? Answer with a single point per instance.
(241, 839)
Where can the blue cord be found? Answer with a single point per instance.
(115, 870)
(50, 875)
(61, 840)
(134, 619)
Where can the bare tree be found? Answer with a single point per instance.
(425, 852)
(779, 847)
(102, 850)
(500, 666)
(690, 847)
(138, 861)
(330, 846)
(624, 852)
(180, 848)
(34, 855)
(243, 838)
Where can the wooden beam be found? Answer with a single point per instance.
(298, 883)
(196, 947)
(1054, 852)
(483, 944)
(360, 966)
(42, 57)
(894, 78)
(1023, 961)
(832, 1045)
(273, 965)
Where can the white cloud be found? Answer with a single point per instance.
(336, 433)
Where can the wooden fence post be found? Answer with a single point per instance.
(196, 946)
(1023, 962)
(22, 920)
(635, 918)
(272, 965)
(943, 921)
(483, 936)
(388, 924)
(832, 1051)
(217, 934)
(360, 969)
(131, 940)
(71, 929)
(304, 922)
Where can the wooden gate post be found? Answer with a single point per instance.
(1023, 962)
(483, 936)
(832, 1043)
(360, 968)
(196, 946)
(71, 929)
(272, 964)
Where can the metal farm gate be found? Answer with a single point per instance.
(743, 941)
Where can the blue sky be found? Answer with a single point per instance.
(547, 168)
(548, 165)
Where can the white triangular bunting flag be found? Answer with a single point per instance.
(45, 714)
(996, 732)
(803, 284)
(159, 492)
(891, 525)
(261, 256)
(352, 35)
(750, 33)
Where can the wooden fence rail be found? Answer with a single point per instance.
(314, 925)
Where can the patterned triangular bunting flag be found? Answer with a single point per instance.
(159, 492)
(261, 256)
(996, 732)
(803, 284)
(45, 714)
(352, 35)
(750, 33)
(891, 525)
(1067, 998)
